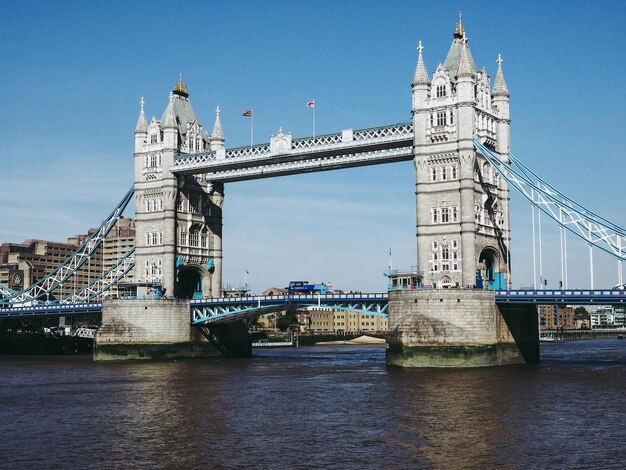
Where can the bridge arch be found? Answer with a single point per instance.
(493, 268)
(192, 281)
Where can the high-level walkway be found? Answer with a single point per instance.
(286, 156)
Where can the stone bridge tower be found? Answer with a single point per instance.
(178, 239)
(462, 203)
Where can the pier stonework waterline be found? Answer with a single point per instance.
(148, 329)
(458, 328)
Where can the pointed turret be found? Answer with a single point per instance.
(170, 129)
(500, 100)
(170, 116)
(142, 123)
(217, 137)
(421, 82)
(499, 85)
(420, 77)
(465, 68)
(141, 129)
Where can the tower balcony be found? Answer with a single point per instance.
(438, 134)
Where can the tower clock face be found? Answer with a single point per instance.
(17, 279)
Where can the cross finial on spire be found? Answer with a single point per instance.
(458, 31)
(142, 102)
(420, 48)
(499, 60)
(217, 110)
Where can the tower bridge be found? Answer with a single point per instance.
(459, 141)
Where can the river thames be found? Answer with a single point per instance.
(315, 407)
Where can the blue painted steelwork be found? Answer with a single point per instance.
(224, 310)
(100, 285)
(46, 285)
(42, 310)
(6, 292)
(570, 215)
(562, 297)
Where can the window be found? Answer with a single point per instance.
(194, 238)
(445, 215)
(444, 173)
(451, 116)
(455, 214)
(487, 173)
(454, 172)
(432, 120)
(441, 118)
(455, 244)
(153, 138)
(183, 238)
(434, 215)
(435, 245)
(196, 205)
(434, 174)
(441, 91)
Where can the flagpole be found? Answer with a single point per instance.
(251, 129)
(314, 121)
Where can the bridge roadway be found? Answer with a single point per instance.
(284, 155)
(218, 310)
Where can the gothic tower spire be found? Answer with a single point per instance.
(465, 69)
(217, 137)
(421, 74)
(142, 123)
(499, 85)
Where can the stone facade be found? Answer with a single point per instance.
(178, 220)
(148, 329)
(462, 204)
(457, 328)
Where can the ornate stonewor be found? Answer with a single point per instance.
(463, 231)
(462, 203)
(178, 243)
(179, 219)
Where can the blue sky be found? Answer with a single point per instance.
(73, 74)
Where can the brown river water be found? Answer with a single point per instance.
(315, 407)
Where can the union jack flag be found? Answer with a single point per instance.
(311, 104)
(247, 113)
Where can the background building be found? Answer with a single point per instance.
(23, 264)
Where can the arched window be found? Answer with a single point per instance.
(434, 174)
